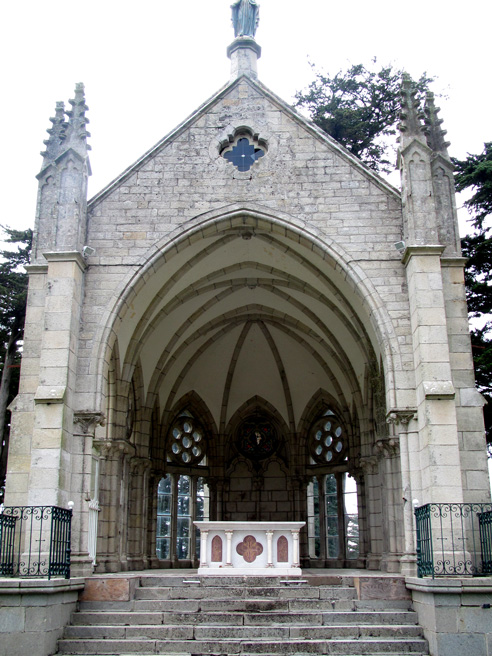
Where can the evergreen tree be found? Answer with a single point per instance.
(475, 173)
(360, 108)
(13, 296)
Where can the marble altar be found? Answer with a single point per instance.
(249, 548)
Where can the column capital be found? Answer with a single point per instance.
(388, 447)
(403, 416)
(369, 464)
(114, 448)
(88, 420)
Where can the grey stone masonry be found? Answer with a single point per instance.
(232, 289)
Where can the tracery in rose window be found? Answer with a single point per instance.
(257, 438)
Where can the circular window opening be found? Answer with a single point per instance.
(186, 441)
(257, 438)
(327, 440)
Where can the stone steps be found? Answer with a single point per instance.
(245, 619)
(198, 592)
(231, 647)
(204, 632)
(243, 605)
(227, 617)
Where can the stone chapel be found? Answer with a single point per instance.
(247, 324)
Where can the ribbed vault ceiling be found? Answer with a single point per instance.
(243, 314)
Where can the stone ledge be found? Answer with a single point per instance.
(439, 389)
(40, 586)
(50, 394)
(450, 586)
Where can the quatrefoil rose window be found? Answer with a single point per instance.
(243, 150)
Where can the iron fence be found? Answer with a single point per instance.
(35, 541)
(454, 539)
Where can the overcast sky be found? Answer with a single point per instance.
(148, 64)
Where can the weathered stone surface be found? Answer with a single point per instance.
(107, 590)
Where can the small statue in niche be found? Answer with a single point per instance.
(245, 17)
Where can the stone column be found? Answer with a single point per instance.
(137, 520)
(85, 489)
(229, 535)
(52, 454)
(400, 419)
(436, 410)
(269, 537)
(369, 466)
(389, 449)
(469, 402)
(203, 548)
(114, 516)
(295, 549)
(428, 230)
(24, 435)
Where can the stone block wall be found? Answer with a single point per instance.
(456, 615)
(33, 614)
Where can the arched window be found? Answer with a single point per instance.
(333, 519)
(183, 494)
(332, 505)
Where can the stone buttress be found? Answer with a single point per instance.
(46, 459)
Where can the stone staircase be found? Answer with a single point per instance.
(219, 615)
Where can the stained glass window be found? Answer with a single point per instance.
(257, 438)
(244, 154)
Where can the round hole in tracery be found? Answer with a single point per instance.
(176, 448)
(329, 456)
(186, 457)
(338, 447)
(328, 441)
(176, 433)
(186, 442)
(197, 436)
(319, 450)
(338, 432)
(318, 435)
(187, 427)
(328, 426)
(196, 451)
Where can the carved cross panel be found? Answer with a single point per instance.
(249, 549)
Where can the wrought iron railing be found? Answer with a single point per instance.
(35, 541)
(454, 539)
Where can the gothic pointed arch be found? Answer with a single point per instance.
(223, 229)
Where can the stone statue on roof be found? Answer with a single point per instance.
(245, 17)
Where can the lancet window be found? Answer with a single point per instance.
(181, 500)
(332, 502)
(182, 494)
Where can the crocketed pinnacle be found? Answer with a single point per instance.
(434, 133)
(58, 133)
(77, 121)
(410, 115)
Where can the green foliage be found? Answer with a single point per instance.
(13, 296)
(475, 174)
(13, 283)
(359, 108)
